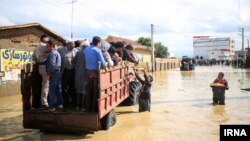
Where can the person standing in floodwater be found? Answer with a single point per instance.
(145, 95)
(219, 92)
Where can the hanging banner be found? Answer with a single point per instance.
(12, 61)
(211, 42)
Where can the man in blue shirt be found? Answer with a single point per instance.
(93, 57)
(53, 66)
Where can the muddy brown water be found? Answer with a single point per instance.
(181, 110)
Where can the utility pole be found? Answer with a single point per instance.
(72, 10)
(248, 52)
(243, 48)
(153, 48)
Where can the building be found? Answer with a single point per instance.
(17, 43)
(219, 48)
(26, 36)
(143, 52)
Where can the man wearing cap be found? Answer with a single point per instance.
(93, 57)
(68, 53)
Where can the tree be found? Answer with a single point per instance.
(161, 51)
(146, 41)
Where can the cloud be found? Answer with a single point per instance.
(175, 21)
(4, 21)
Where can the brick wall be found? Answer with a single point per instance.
(23, 39)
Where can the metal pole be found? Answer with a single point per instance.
(248, 46)
(153, 48)
(72, 10)
(243, 48)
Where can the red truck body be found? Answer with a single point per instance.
(113, 89)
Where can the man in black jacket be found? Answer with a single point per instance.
(145, 95)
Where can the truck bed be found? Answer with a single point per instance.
(65, 121)
(113, 89)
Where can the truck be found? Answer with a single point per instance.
(187, 64)
(113, 89)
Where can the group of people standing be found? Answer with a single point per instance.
(70, 72)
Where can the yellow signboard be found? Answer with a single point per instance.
(2, 74)
(12, 61)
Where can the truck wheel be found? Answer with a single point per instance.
(113, 118)
(108, 120)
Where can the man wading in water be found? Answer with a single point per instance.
(219, 91)
(145, 95)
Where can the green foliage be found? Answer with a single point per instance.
(161, 51)
(146, 41)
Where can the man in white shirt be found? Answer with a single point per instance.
(68, 54)
(39, 56)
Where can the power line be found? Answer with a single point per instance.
(171, 31)
(63, 6)
(60, 7)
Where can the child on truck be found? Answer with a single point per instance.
(145, 95)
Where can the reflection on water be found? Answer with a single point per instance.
(181, 110)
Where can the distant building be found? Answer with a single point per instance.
(239, 54)
(219, 48)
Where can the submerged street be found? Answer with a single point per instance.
(181, 110)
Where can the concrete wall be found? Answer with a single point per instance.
(145, 55)
(162, 64)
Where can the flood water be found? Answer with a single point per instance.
(181, 110)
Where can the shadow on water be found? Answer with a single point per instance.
(218, 115)
(11, 127)
(12, 130)
(47, 137)
(125, 112)
(7, 110)
(219, 110)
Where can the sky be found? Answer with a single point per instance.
(175, 21)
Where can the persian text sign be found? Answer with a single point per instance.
(211, 42)
(12, 61)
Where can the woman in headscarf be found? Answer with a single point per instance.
(105, 47)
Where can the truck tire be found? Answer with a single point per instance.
(113, 118)
(108, 120)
